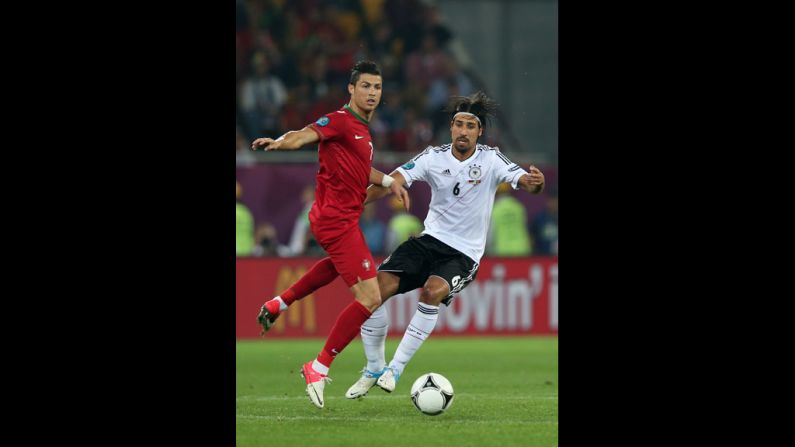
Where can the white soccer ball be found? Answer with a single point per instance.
(432, 393)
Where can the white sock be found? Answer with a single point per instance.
(419, 329)
(319, 367)
(282, 306)
(373, 338)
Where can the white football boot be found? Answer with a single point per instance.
(388, 379)
(363, 385)
(315, 383)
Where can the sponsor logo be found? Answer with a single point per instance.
(357, 137)
(446, 172)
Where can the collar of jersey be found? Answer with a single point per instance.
(466, 159)
(348, 108)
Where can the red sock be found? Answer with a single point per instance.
(322, 273)
(345, 329)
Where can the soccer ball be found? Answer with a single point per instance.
(432, 393)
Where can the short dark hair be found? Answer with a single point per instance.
(477, 104)
(368, 67)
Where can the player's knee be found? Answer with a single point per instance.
(432, 295)
(368, 295)
(370, 300)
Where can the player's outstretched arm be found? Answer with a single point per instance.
(533, 181)
(292, 140)
(377, 190)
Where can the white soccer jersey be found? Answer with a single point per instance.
(462, 193)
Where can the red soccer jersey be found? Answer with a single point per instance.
(345, 153)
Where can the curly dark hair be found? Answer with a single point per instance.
(477, 104)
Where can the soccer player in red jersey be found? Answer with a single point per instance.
(345, 154)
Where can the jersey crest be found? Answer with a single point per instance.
(474, 172)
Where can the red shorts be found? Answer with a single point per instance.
(350, 256)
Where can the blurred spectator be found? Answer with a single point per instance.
(508, 234)
(545, 227)
(419, 133)
(333, 100)
(381, 38)
(373, 11)
(434, 25)
(406, 17)
(373, 229)
(401, 226)
(428, 64)
(391, 110)
(334, 41)
(294, 115)
(316, 68)
(302, 241)
(457, 84)
(244, 237)
(382, 125)
(261, 99)
(267, 242)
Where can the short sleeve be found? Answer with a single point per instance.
(329, 126)
(507, 171)
(416, 168)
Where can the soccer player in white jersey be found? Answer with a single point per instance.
(443, 260)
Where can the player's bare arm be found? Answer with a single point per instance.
(377, 191)
(292, 140)
(533, 181)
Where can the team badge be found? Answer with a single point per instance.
(474, 172)
(322, 121)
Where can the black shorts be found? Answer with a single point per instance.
(418, 258)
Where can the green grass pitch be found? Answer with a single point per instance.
(506, 394)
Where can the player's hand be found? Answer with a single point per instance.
(402, 194)
(536, 179)
(269, 144)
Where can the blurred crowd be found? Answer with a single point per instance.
(293, 64)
